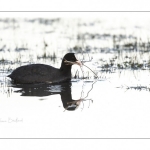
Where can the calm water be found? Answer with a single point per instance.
(114, 105)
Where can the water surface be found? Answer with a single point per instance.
(115, 105)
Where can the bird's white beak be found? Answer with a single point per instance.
(78, 63)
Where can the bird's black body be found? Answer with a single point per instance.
(40, 73)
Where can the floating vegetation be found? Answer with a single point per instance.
(138, 88)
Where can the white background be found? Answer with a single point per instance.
(74, 5)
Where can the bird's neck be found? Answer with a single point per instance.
(65, 67)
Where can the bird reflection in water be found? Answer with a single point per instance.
(64, 89)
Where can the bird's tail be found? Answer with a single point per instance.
(9, 76)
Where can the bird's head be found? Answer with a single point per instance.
(70, 59)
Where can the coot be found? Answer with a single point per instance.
(40, 73)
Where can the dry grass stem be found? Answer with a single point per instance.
(72, 63)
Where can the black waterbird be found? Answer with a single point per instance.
(41, 73)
